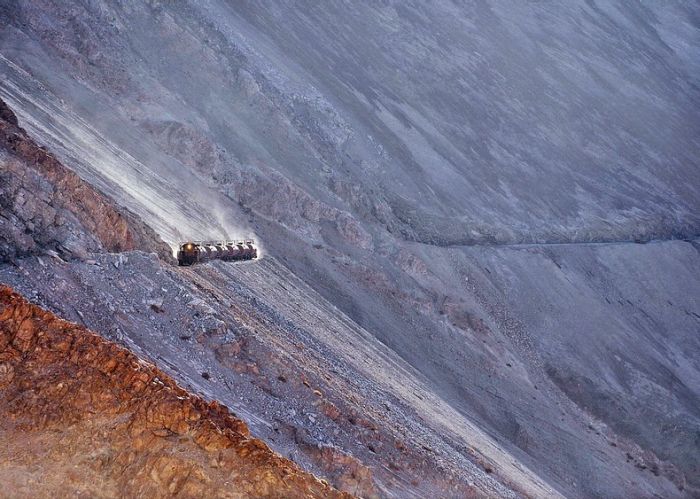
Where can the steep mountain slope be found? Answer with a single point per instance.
(156, 310)
(308, 380)
(444, 124)
(399, 158)
(82, 416)
(47, 208)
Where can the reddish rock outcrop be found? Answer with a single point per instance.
(45, 206)
(80, 415)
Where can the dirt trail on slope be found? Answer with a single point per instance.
(81, 415)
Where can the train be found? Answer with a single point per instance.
(192, 252)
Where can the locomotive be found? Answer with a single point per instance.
(192, 252)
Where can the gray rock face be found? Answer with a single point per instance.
(46, 208)
(33, 221)
(506, 123)
(416, 164)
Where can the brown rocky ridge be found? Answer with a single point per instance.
(48, 208)
(80, 415)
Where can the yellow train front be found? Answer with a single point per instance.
(192, 252)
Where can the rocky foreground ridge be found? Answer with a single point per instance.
(81, 415)
(47, 207)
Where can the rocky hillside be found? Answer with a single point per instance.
(310, 399)
(80, 415)
(46, 207)
(479, 222)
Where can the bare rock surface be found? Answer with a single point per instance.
(80, 415)
(47, 207)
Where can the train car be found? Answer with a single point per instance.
(191, 252)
